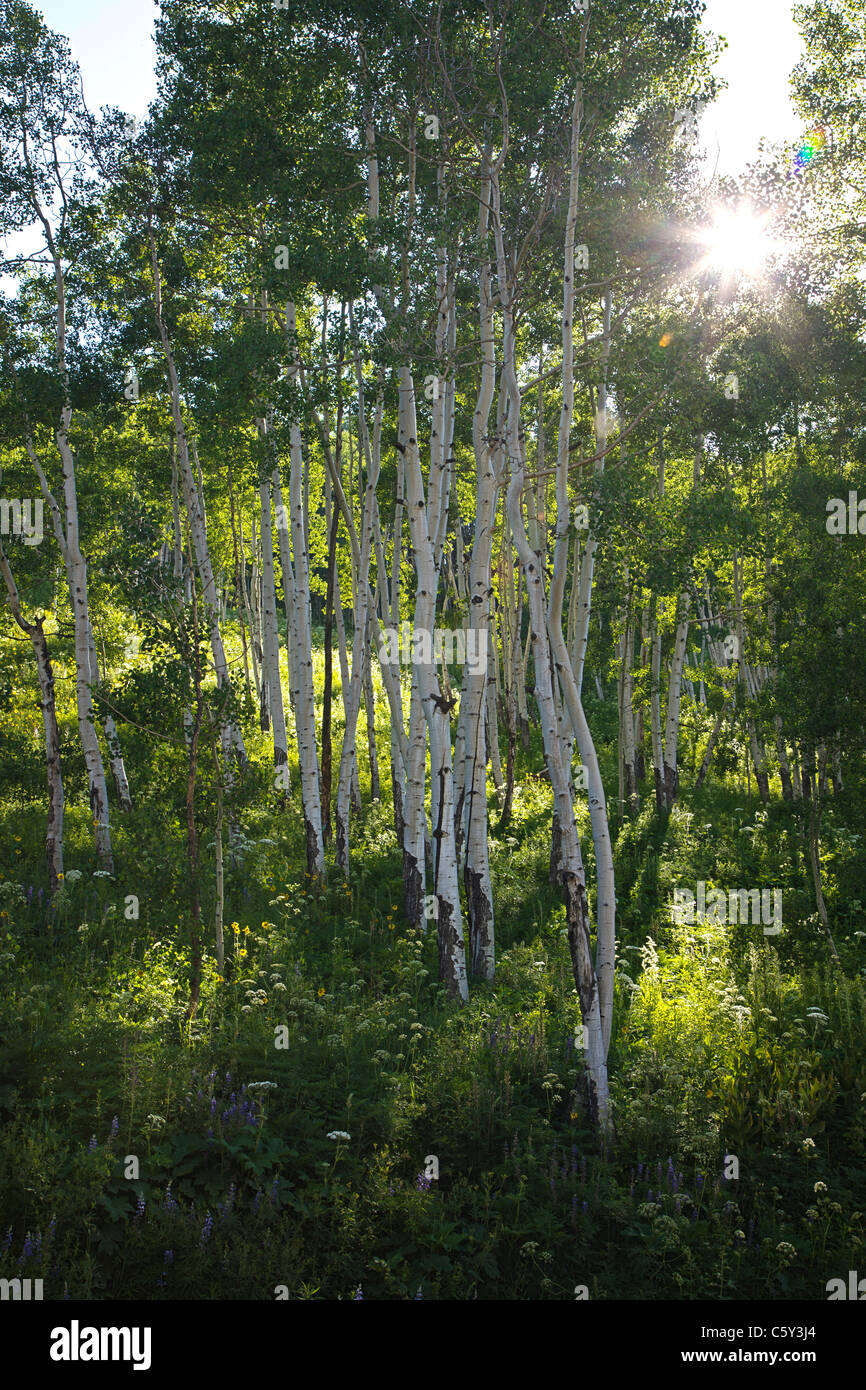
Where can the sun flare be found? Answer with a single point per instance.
(736, 243)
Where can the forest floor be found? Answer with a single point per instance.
(331, 1126)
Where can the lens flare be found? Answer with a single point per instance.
(736, 243)
(814, 144)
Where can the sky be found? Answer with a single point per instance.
(764, 44)
(112, 43)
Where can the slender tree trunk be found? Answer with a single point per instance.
(334, 521)
(573, 877)
(672, 718)
(302, 650)
(271, 638)
(45, 675)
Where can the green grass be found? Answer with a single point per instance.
(724, 1043)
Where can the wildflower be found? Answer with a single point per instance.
(358, 1296)
(338, 1134)
(418, 1295)
(206, 1229)
(422, 1182)
(115, 1126)
(321, 992)
(168, 1257)
(820, 1187)
(139, 1207)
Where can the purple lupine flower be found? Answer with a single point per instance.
(418, 1295)
(170, 1204)
(213, 1106)
(640, 1170)
(422, 1182)
(115, 1126)
(168, 1257)
(29, 894)
(93, 1143)
(199, 1094)
(700, 1180)
(584, 1206)
(206, 1229)
(276, 1184)
(139, 1207)
(210, 1135)
(358, 1296)
(228, 1078)
(51, 1227)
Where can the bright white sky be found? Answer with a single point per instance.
(111, 39)
(764, 44)
(112, 43)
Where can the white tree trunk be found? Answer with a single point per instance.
(45, 674)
